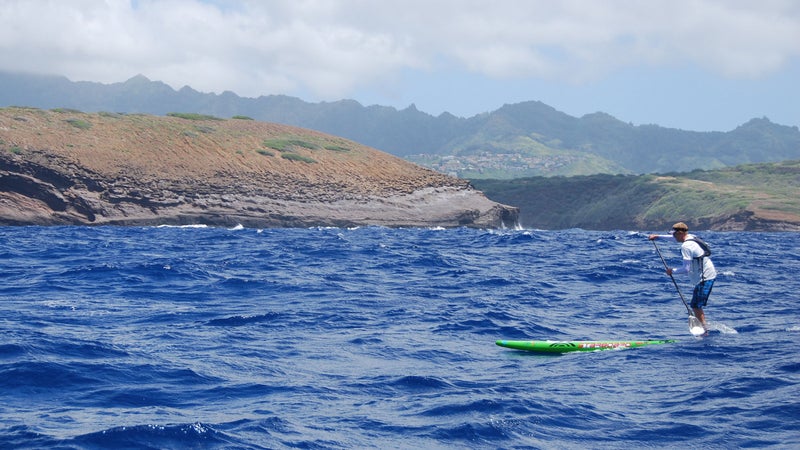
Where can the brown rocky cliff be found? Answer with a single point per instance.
(67, 167)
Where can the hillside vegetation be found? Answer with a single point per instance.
(217, 151)
(747, 197)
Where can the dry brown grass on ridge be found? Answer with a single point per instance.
(174, 148)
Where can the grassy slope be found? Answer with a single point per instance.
(769, 191)
(210, 151)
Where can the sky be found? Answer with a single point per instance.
(704, 65)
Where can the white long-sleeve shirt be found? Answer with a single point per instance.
(699, 269)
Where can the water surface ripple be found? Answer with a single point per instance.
(167, 337)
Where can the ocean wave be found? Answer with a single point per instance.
(174, 337)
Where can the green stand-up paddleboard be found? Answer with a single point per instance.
(576, 346)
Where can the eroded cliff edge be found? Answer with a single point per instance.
(67, 167)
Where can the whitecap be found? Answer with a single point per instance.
(721, 327)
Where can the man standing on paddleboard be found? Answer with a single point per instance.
(697, 263)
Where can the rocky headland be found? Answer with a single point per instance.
(65, 167)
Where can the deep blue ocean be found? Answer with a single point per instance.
(327, 338)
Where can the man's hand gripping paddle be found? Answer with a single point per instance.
(695, 326)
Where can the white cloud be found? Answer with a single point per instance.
(332, 47)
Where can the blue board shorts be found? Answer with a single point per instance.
(701, 293)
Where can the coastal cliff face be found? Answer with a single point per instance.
(67, 167)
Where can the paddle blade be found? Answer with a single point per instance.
(695, 327)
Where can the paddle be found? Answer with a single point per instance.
(695, 326)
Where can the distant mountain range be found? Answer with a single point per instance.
(518, 140)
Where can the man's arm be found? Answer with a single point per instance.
(687, 264)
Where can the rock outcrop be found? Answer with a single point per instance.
(67, 167)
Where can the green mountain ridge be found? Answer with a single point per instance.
(754, 197)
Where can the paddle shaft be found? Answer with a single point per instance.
(672, 278)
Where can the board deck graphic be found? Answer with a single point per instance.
(576, 346)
